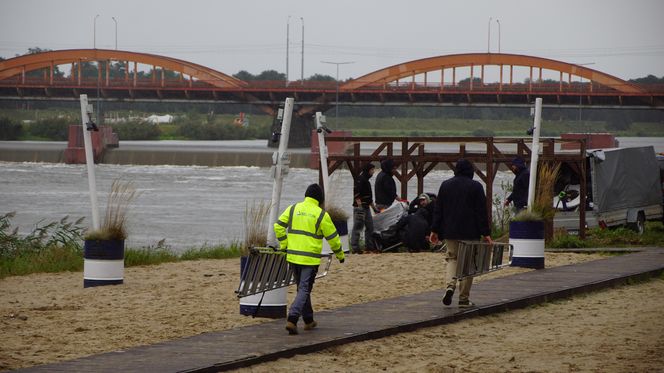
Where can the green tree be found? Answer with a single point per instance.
(321, 78)
(245, 75)
(271, 75)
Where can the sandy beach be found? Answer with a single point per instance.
(50, 317)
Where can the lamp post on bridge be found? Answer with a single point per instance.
(287, 46)
(488, 38)
(94, 32)
(336, 106)
(581, 91)
(302, 71)
(498, 22)
(116, 32)
(98, 63)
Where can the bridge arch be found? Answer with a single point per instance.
(19, 66)
(440, 63)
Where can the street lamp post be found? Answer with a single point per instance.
(336, 106)
(498, 22)
(581, 91)
(116, 32)
(488, 39)
(98, 64)
(94, 32)
(302, 72)
(287, 46)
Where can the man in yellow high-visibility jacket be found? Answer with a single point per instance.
(300, 230)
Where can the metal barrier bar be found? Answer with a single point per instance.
(478, 258)
(267, 270)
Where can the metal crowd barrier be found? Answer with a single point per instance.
(267, 270)
(477, 258)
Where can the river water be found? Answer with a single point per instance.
(188, 206)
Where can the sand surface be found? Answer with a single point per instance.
(50, 317)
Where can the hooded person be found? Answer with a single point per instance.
(386, 188)
(362, 201)
(460, 214)
(414, 228)
(300, 230)
(519, 195)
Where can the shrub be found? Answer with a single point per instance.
(51, 247)
(10, 130)
(483, 132)
(135, 130)
(563, 240)
(52, 129)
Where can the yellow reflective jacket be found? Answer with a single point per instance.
(300, 230)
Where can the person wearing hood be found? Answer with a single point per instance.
(519, 195)
(300, 230)
(362, 201)
(460, 214)
(414, 228)
(386, 188)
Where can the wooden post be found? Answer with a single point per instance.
(583, 191)
(489, 180)
(404, 169)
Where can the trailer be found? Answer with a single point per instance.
(624, 188)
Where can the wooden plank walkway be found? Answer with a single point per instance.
(240, 347)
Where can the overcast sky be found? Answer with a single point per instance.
(624, 38)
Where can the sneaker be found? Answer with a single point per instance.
(310, 325)
(291, 327)
(447, 299)
(466, 304)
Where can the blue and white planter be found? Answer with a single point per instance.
(273, 305)
(103, 262)
(527, 238)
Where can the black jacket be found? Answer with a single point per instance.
(386, 188)
(460, 211)
(414, 229)
(519, 194)
(362, 187)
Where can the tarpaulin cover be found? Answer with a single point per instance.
(626, 178)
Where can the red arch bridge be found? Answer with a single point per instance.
(426, 82)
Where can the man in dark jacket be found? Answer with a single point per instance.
(414, 229)
(460, 214)
(519, 194)
(386, 188)
(362, 201)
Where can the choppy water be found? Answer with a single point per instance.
(189, 206)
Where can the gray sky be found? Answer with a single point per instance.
(623, 38)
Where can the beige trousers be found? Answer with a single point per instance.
(450, 279)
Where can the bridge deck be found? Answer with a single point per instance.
(216, 351)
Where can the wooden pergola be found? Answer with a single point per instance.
(415, 159)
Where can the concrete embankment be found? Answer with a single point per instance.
(153, 153)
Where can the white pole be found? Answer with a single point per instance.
(89, 161)
(534, 153)
(322, 150)
(281, 160)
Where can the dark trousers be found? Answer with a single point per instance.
(362, 219)
(301, 306)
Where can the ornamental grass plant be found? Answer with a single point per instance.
(546, 181)
(255, 225)
(114, 226)
(332, 201)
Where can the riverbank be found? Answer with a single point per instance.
(50, 317)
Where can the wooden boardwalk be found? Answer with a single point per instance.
(218, 351)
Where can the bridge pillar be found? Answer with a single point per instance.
(300, 131)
